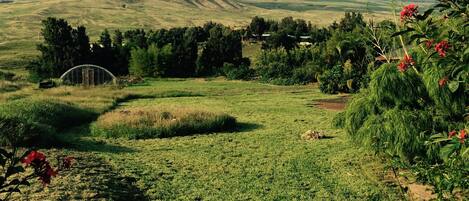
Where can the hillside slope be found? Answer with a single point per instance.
(20, 20)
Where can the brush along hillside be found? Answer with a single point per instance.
(20, 20)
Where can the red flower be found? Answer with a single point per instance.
(442, 47)
(451, 134)
(46, 175)
(429, 43)
(443, 81)
(408, 12)
(405, 63)
(462, 135)
(402, 67)
(34, 157)
(68, 162)
(408, 59)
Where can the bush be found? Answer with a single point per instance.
(27, 120)
(15, 131)
(241, 72)
(145, 123)
(332, 81)
(391, 88)
(339, 120)
(296, 66)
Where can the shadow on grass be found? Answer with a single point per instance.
(78, 139)
(247, 127)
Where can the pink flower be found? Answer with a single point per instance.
(408, 12)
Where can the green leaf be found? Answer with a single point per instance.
(25, 182)
(402, 32)
(428, 13)
(466, 51)
(3, 152)
(453, 86)
(14, 170)
(464, 152)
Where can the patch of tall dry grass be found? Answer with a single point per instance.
(155, 122)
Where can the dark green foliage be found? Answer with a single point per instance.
(280, 40)
(241, 72)
(448, 103)
(16, 131)
(358, 111)
(351, 21)
(151, 62)
(296, 66)
(223, 46)
(332, 81)
(395, 116)
(398, 133)
(339, 120)
(63, 48)
(391, 88)
(343, 44)
(29, 122)
(258, 26)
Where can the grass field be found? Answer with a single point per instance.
(266, 159)
(20, 20)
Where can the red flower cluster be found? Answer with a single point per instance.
(408, 12)
(462, 135)
(405, 63)
(34, 157)
(41, 166)
(443, 81)
(442, 47)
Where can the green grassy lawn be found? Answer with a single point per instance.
(265, 160)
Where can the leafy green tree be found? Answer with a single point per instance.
(62, 49)
(151, 62)
(258, 26)
(223, 45)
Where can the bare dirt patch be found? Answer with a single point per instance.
(331, 104)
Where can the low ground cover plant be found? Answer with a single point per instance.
(152, 122)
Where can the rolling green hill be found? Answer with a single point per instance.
(20, 19)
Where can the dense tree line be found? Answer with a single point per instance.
(176, 52)
(340, 56)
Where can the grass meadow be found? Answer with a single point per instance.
(264, 159)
